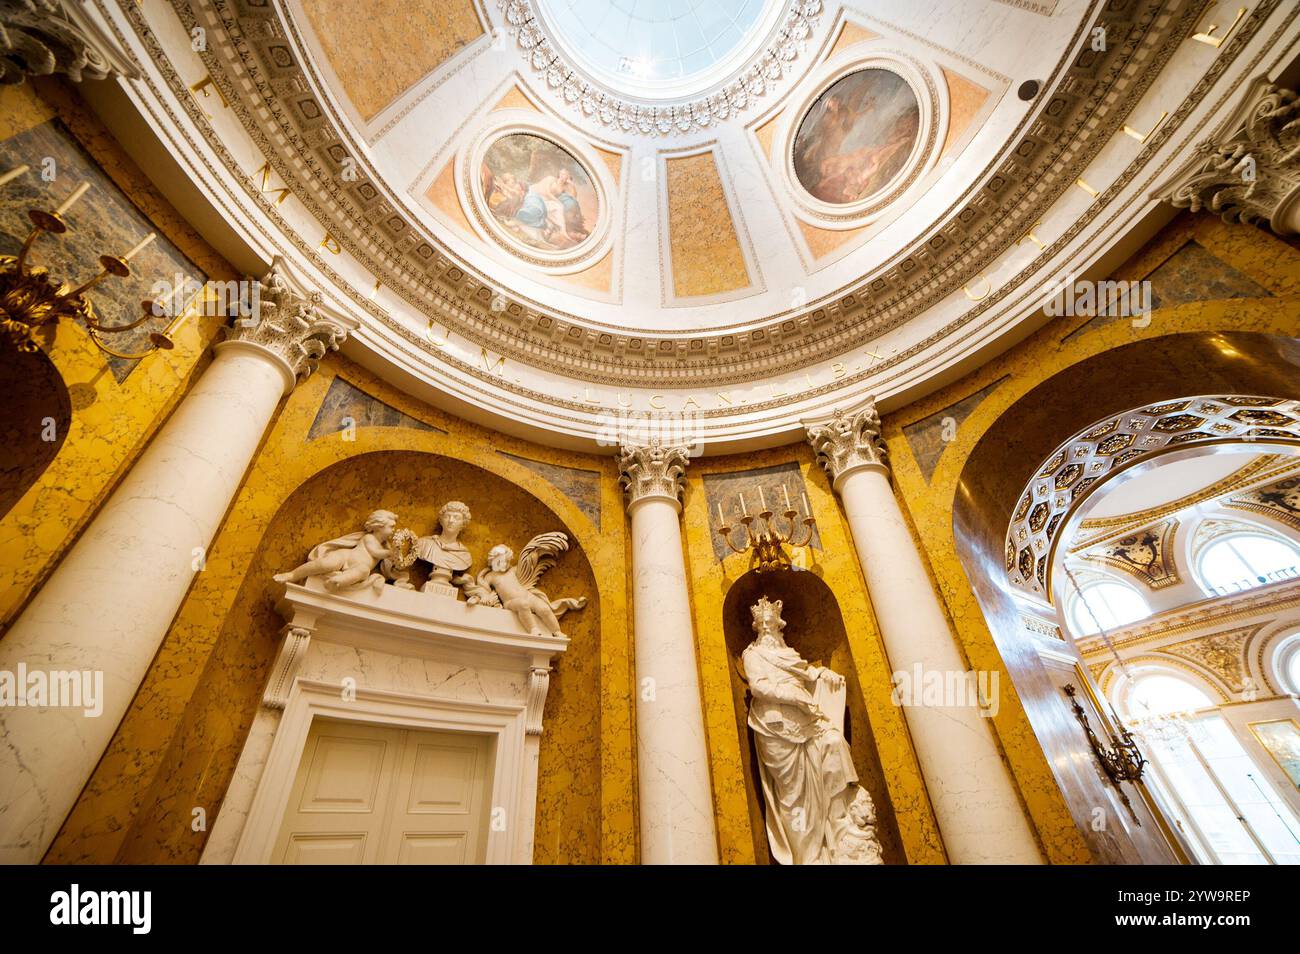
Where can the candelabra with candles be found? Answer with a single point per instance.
(767, 540)
(31, 299)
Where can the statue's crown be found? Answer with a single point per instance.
(765, 609)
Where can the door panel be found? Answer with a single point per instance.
(368, 794)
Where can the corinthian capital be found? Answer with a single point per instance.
(285, 325)
(1250, 171)
(848, 440)
(45, 37)
(652, 470)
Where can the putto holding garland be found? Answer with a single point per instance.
(381, 554)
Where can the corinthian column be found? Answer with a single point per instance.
(974, 799)
(1250, 170)
(105, 610)
(676, 800)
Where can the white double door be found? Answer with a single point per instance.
(370, 794)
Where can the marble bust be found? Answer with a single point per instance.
(447, 557)
(816, 812)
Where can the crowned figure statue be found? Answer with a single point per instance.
(816, 811)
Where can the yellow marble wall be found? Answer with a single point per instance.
(1272, 264)
(177, 747)
(702, 238)
(381, 48)
(111, 421)
(836, 565)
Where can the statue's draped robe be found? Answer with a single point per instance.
(805, 764)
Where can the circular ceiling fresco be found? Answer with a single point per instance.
(857, 137)
(538, 193)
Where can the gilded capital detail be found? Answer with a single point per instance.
(848, 440)
(652, 470)
(1251, 172)
(287, 325)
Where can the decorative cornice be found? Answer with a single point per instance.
(1201, 615)
(653, 471)
(1045, 155)
(48, 37)
(848, 441)
(286, 326)
(762, 73)
(1251, 172)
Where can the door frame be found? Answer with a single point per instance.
(309, 700)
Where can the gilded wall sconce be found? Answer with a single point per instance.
(768, 541)
(31, 299)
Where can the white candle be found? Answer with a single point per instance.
(806, 509)
(140, 246)
(743, 511)
(77, 193)
(13, 174)
(722, 521)
(786, 490)
(762, 504)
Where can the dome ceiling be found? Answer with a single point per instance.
(557, 208)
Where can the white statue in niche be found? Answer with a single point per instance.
(816, 812)
(515, 587)
(348, 562)
(447, 557)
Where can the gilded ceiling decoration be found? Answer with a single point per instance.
(1279, 500)
(1116, 444)
(1094, 529)
(1223, 654)
(1148, 555)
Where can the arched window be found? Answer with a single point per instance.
(1155, 694)
(1105, 604)
(1287, 662)
(1241, 561)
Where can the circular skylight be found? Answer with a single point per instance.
(660, 48)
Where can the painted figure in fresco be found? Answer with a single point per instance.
(538, 203)
(816, 812)
(348, 562)
(857, 137)
(515, 588)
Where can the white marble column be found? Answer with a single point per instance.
(676, 797)
(979, 813)
(106, 608)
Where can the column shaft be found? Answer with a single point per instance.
(110, 602)
(677, 825)
(974, 800)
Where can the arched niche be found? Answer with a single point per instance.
(1007, 456)
(37, 415)
(200, 763)
(815, 628)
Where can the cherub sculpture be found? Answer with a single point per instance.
(348, 562)
(515, 587)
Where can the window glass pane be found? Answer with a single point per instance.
(1159, 694)
(1246, 560)
(1110, 604)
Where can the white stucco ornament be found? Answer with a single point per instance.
(348, 562)
(816, 812)
(515, 587)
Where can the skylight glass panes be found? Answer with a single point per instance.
(649, 45)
